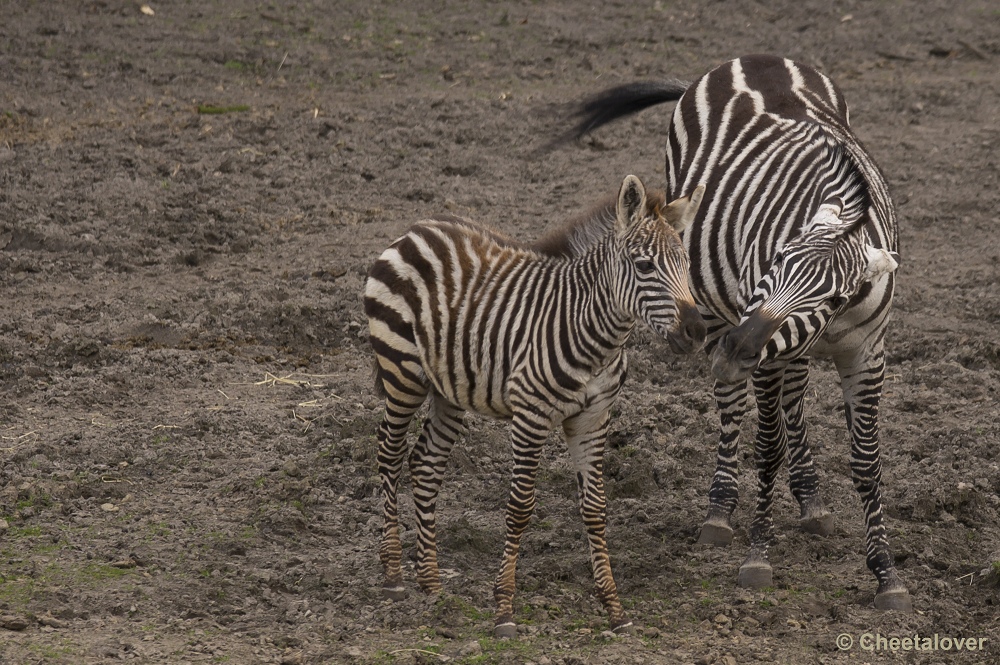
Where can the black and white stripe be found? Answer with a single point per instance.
(480, 322)
(792, 255)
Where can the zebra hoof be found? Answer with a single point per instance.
(821, 525)
(394, 593)
(897, 600)
(505, 631)
(624, 629)
(715, 532)
(755, 575)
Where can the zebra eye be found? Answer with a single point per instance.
(645, 265)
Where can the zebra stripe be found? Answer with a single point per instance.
(792, 257)
(480, 322)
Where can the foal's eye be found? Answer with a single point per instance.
(645, 265)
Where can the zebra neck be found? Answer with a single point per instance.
(592, 295)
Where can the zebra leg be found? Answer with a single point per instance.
(770, 449)
(725, 492)
(528, 434)
(862, 381)
(586, 435)
(391, 436)
(803, 480)
(428, 462)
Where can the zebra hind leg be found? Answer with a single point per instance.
(428, 463)
(724, 494)
(803, 479)
(862, 386)
(399, 410)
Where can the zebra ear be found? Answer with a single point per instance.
(880, 262)
(828, 215)
(681, 213)
(631, 204)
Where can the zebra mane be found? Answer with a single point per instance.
(852, 188)
(580, 232)
(574, 237)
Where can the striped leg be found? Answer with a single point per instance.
(725, 492)
(399, 410)
(770, 449)
(803, 480)
(528, 434)
(862, 385)
(586, 435)
(428, 462)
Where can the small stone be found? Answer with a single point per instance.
(353, 652)
(3, 525)
(13, 623)
(471, 649)
(721, 618)
(109, 507)
(49, 620)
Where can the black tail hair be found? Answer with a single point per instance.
(618, 102)
(625, 100)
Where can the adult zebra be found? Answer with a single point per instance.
(481, 322)
(792, 256)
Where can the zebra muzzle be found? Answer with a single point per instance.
(740, 350)
(689, 334)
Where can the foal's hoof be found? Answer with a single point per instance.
(624, 628)
(715, 531)
(394, 593)
(505, 631)
(755, 574)
(897, 599)
(821, 525)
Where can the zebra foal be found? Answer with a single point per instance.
(791, 257)
(481, 323)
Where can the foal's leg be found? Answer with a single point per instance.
(861, 380)
(399, 409)
(586, 435)
(528, 433)
(802, 477)
(428, 462)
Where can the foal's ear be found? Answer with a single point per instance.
(631, 204)
(680, 213)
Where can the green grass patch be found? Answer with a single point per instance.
(208, 109)
(19, 591)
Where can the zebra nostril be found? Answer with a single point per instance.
(695, 330)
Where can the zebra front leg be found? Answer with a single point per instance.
(862, 386)
(586, 436)
(428, 463)
(391, 436)
(802, 476)
(770, 449)
(528, 434)
(725, 492)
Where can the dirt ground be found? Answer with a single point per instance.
(189, 200)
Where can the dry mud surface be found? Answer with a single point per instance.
(187, 463)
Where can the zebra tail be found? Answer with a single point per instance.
(613, 104)
(380, 390)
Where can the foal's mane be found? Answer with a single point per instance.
(574, 236)
(583, 230)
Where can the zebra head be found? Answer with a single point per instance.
(812, 279)
(653, 266)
